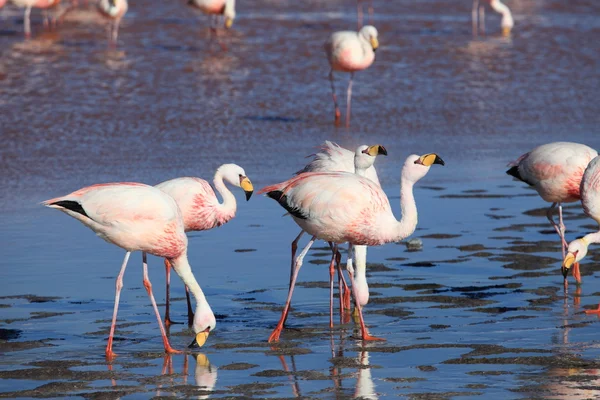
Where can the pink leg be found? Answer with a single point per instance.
(189, 306)
(474, 22)
(338, 114)
(596, 311)
(561, 231)
(148, 286)
(331, 274)
(168, 321)
(556, 227)
(115, 33)
(343, 287)
(371, 12)
(364, 332)
(27, 22)
(277, 331)
(482, 19)
(349, 98)
(119, 285)
(294, 248)
(359, 13)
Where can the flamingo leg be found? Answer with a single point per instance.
(474, 21)
(359, 12)
(277, 331)
(338, 114)
(342, 286)
(294, 248)
(596, 311)
(168, 321)
(190, 311)
(119, 285)
(371, 12)
(363, 329)
(27, 22)
(482, 19)
(565, 246)
(349, 99)
(331, 274)
(115, 33)
(148, 286)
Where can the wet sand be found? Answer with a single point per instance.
(478, 311)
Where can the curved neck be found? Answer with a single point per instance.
(408, 222)
(499, 7)
(360, 278)
(228, 206)
(592, 238)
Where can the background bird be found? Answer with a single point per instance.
(200, 207)
(555, 170)
(28, 5)
(478, 16)
(590, 200)
(349, 51)
(135, 217)
(340, 207)
(216, 9)
(114, 10)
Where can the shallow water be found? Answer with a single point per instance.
(479, 311)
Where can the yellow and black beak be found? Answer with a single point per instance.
(246, 185)
(375, 150)
(430, 159)
(199, 339)
(374, 43)
(567, 263)
(228, 22)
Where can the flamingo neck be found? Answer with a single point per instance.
(203, 314)
(360, 279)
(408, 222)
(591, 238)
(499, 7)
(225, 210)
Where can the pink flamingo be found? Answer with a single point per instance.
(114, 10)
(590, 199)
(28, 5)
(478, 16)
(335, 158)
(134, 217)
(340, 207)
(216, 9)
(2, 3)
(349, 51)
(201, 209)
(555, 170)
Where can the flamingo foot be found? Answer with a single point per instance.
(110, 355)
(169, 322)
(338, 116)
(170, 350)
(576, 273)
(367, 337)
(275, 335)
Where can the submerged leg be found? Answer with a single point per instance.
(277, 331)
(27, 22)
(338, 114)
(331, 274)
(349, 99)
(148, 286)
(119, 285)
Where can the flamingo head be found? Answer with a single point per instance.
(204, 323)
(364, 157)
(369, 33)
(236, 176)
(416, 167)
(577, 250)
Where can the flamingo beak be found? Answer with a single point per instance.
(374, 43)
(430, 159)
(567, 263)
(228, 23)
(200, 339)
(246, 185)
(506, 31)
(375, 150)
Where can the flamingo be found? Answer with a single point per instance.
(28, 5)
(2, 3)
(336, 158)
(201, 209)
(554, 170)
(114, 10)
(134, 217)
(507, 22)
(590, 199)
(216, 9)
(359, 11)
(341, 207)
(349, 51)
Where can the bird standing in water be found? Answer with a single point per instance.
(201, 209)
(136, 217)
(341, 207)
(555, 170)
(114, 10)
(478, 16)
(28, 5)
(216, 9)
(349, 51)
(590, 200)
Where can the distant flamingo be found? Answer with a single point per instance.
(590, 199)
(554, 170)
(340, 207)
(478, 16)
(349, 51)
(201, 209)
(114, 10)
(359, 11)
(134, 217)
(28, 5)
(2, 3)
(216, 9)
(334, 158)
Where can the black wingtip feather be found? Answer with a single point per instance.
(71, 205)
(278, 196)
(514, 171)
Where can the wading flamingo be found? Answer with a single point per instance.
(201, 209)
(114, 10)
(478, 16)
(340, 207)
(135, 217)
(590, 199)
(349, 51)
(555, 170)
(359, 11)
(28, 5)
(216, 9)
(334, 158)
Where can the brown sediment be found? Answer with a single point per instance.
(238, 366)
(441, 236)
